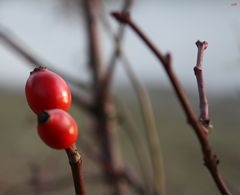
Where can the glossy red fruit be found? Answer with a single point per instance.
(47, 90)
(57, 128)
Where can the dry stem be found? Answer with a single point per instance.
(204, 117)
(210, 160)
(77, 169)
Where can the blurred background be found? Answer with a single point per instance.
(53, 31)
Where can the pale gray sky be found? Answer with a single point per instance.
(173, 26)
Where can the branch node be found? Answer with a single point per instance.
(121, 17)
(73, 155)
(206, 123)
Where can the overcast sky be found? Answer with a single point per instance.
(174, 27)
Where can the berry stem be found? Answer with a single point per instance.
(75, 162)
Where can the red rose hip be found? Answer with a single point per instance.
(47, 90)
(57, 129)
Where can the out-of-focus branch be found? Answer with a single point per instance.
(198, 70)
(210, 160)
(153, 141)
(83, 100)
(11, 41)
(150, 129)
(118, 39)
(105, 125)
(132, 133)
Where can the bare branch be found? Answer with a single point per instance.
(210, 160)
(204, 117)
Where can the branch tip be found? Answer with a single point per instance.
(203, 44)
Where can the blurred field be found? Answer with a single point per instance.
(23, 155)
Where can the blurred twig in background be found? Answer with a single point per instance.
(17, 46)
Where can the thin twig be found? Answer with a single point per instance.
(131, 130)
(77, 169)
(118, 39)
(210, 160)
(154, 145)
(204, 116)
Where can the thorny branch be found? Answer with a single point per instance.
(198, 70)
(210, 159)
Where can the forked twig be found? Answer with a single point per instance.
(118, 38)
(77, 169)
(204, 116)
(210, 160)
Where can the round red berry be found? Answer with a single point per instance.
(57, 129)
(47, 90)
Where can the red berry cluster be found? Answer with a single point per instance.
(49, 96)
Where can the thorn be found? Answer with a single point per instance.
(168, 58)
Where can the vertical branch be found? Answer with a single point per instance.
(204, 117)
(93, 40)
(150, 129)
(146, 107)
(77, 169)
(144, 100)
(104, 113)
(118, 39)
(132, 132)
